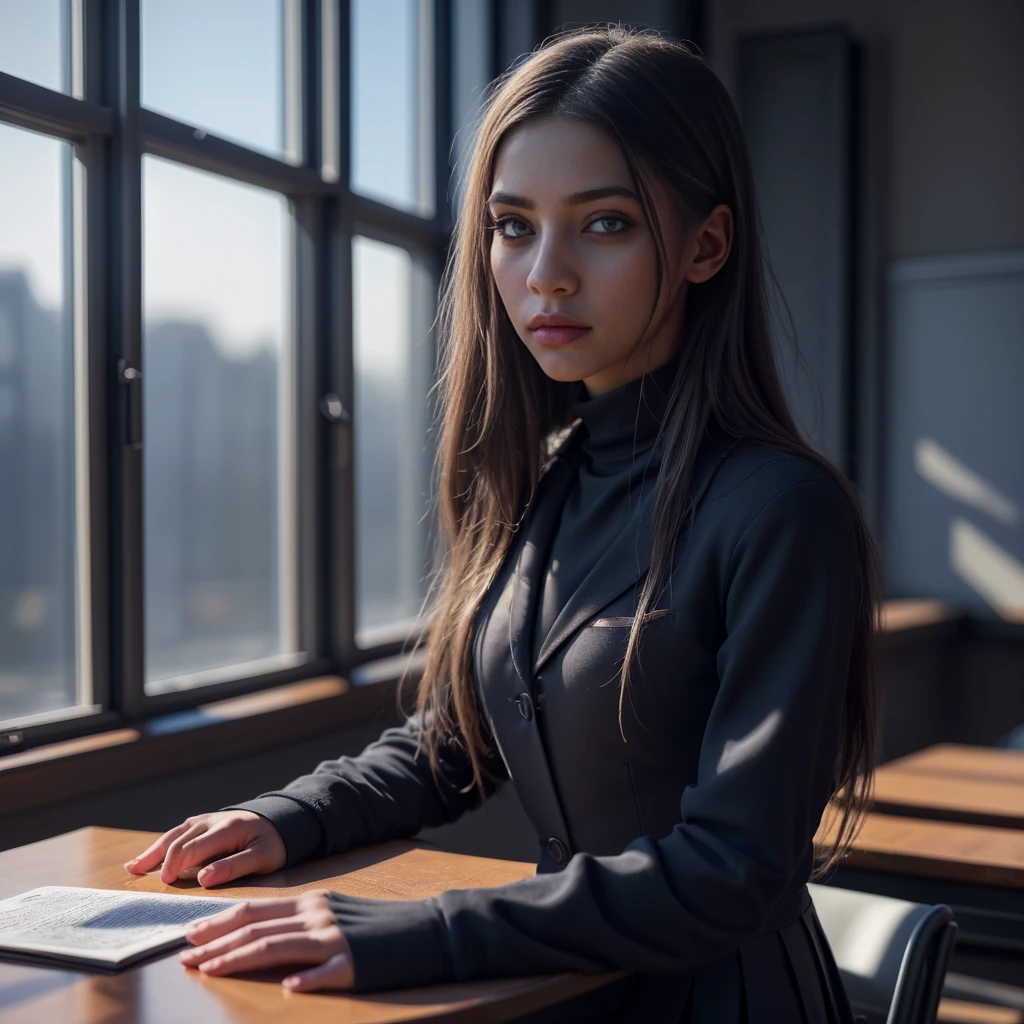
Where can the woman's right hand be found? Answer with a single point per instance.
(235, 842)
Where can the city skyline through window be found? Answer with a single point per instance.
(212, 561)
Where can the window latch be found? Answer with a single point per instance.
(333, 410)
(131, 378)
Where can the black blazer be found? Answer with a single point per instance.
(681, 850)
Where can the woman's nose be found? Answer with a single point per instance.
(552, 271)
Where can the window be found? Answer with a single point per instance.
(38, 48)
(394, 362)
(44, 635)
(224, 223)
(221, 66)
(218, 352)
(392, 82)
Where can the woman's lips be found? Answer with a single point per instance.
(551, 336)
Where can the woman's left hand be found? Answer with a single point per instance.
(267, 933)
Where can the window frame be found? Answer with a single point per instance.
(103, 118)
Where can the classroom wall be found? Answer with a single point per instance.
(945, 103)
(940, 289)
(954, 475)
(661, 14)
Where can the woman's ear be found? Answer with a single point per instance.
(709, 245)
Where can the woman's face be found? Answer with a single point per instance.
(571, 241)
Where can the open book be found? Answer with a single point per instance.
(101, 928)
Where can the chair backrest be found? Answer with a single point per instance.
(892, 954)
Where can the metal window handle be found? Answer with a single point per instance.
(131, 377)
(333, 410)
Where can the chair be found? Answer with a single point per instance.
(892, 954)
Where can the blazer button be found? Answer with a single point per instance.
(525, 705)
(558, 850)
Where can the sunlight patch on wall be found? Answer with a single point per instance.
(988, 569)
(948, 474)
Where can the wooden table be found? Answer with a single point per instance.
(978, 870)
(950, 782)
(943, 851)
(163, 991)
(948, 827)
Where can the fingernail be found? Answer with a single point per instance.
(209, 965)
(206, 875)
(291, 982)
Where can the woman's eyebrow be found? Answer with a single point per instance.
(576, 199)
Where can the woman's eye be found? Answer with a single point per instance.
(502, 222)
(512, 228)
(618, 225)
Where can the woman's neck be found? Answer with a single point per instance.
(637, 365)
(624, 421)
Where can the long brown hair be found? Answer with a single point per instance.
(499, 415)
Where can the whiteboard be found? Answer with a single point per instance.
(953, 526)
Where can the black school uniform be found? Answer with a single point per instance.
(679, 851)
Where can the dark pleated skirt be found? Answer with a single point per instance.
(780, 977)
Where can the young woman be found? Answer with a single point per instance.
(658, 603)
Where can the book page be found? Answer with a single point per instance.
(98, 924)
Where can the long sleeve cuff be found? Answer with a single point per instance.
(299, 827)
(394, 943)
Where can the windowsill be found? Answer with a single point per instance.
(185, 740)
(224, 729)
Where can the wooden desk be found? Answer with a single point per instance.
(901, 614)
(163, 991)
(977, 870)
(972, 854)
(949, 782)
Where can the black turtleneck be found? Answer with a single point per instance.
(620, 427)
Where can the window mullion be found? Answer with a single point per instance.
(442, 113)
(88, 40)
(309, 324)
(175, 140)
(338, 464)
(124, 357)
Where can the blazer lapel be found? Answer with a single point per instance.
(621, 565)
(527, 577)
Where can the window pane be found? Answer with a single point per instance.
(394, 301)
(219, 65)
(392, 97)
(34, 41)
(471, 71)
(217, 372)
(39, 637)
